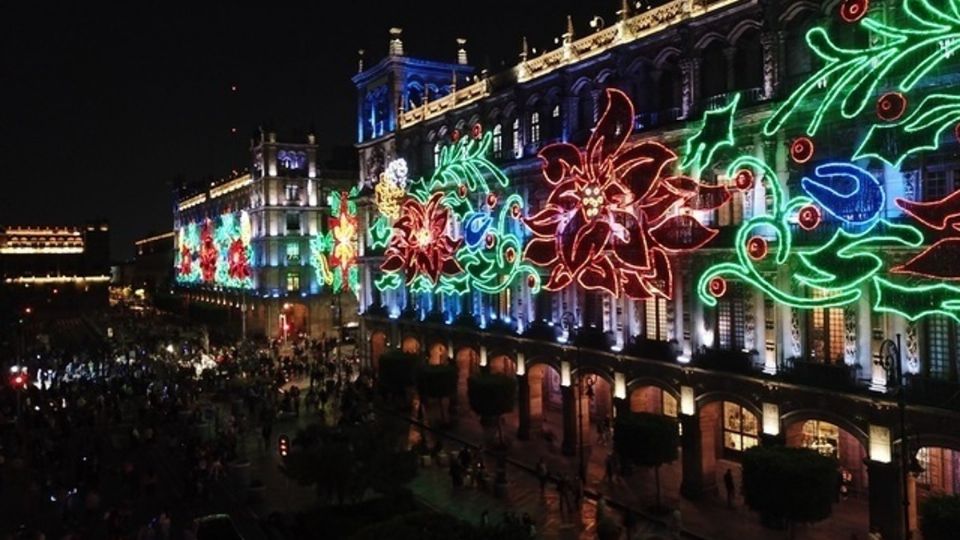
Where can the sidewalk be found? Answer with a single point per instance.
(708, 518)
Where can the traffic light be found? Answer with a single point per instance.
(284, 445)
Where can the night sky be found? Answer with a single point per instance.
(105, 108)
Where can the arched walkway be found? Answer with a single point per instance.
(653, 399)
(502, 365)
(729, 425)
(468, 363)
(546, 399)
(828, 436)
(596, 407)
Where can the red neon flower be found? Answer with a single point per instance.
(420, 244)
(208, 253)
(942, 259)
(186, 261)
(606, 222)
(237, 256)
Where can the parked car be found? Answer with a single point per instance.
(215, 527)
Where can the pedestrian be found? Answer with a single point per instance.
(728, 484)
(485, 518)
(874, 534)
(578, 493)
(562, 493)
(529, 525)
(542, 474)
(676, 523)
(608, 468)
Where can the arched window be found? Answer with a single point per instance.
(535, 128)
(498, 141)
(517, 140)
(713, 70)
(749, 61)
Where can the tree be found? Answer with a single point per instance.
(940, 517)
(492, 395)
(437, 382)
(646, 440)
(789, 485)
(397, 371)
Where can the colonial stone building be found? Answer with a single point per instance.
(732, 212)
(253, 249)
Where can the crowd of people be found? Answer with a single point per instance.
(91, 431)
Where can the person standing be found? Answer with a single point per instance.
(728, 484)
(542, 474)
(562, 493)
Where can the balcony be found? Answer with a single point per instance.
(933, 392)
(653, 349)
(730, 361)
(839, 376)
(648, 120)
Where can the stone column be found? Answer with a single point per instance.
(523, 407)
(886, 498)
(770, 43)
(690, 80)
(569, 446)
(730, 54)
(657, 100)
(691, 485)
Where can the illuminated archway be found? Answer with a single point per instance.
(410, 344)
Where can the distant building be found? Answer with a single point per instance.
(61, 266)
(263, 248)
(152, 270)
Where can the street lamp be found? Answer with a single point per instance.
(892, 363)
(567, 322)
(597, 22)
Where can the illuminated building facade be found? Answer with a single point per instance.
(73, 261)
(252, 248)
(719, 211)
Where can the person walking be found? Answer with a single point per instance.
(562, 494)
(676, 523)
(728, 484)
(542, 474)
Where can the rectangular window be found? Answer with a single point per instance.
(293, 281)
(293, 221)
(827, 335)
(498, 141)
(655, 320)
(740, 428)
(941, 339)
(293, 193)
(730, 322)
(535, 128)
(517, 140)
(556, 111)
(293, 252)
(935, 185)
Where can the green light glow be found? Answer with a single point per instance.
(904, 53)
(716, 132)
(923, 128)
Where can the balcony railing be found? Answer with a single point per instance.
(933, 392)
(839, 376)
(724, 360)
(652, 119)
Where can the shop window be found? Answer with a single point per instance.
(823, 437)
(668, 404)
(739, 428)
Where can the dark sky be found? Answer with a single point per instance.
(102, 107)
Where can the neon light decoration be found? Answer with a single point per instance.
(334, 254)
(891, 106)
(853, 10)
(716, 131)
(920, 130)
(420, 247)
(801, 150)
(613, 215)
(484, 256)
(941, 259)
(216, 251)
(846, 191)
(389, 194)
(850, 77)
(837, 268)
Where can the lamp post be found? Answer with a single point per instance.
(892, 362)
(567, 322)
